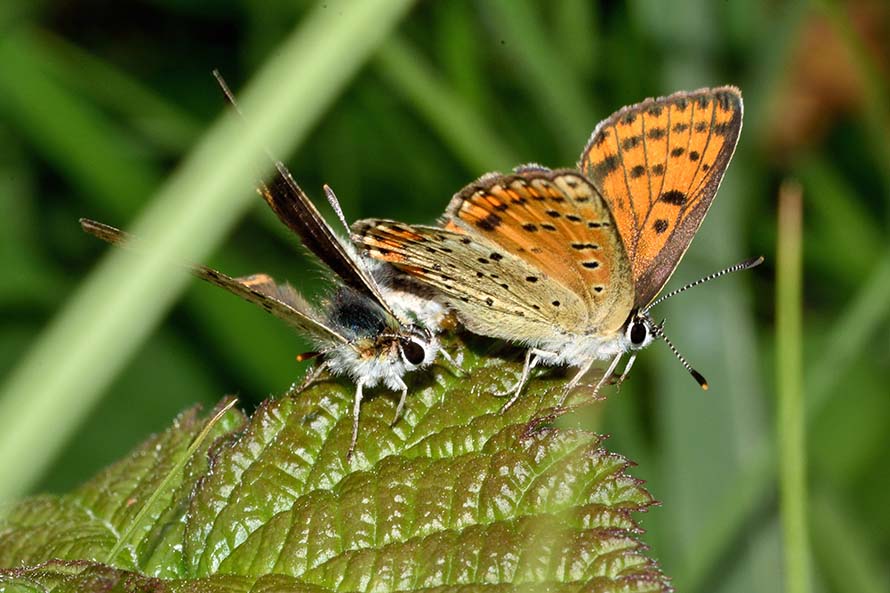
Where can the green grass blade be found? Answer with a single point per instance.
(468, 135)
(843, 551)
(89, 150)
(791, 417)
(159, 119)
(54, 387)
(850, 336)
(551, 83)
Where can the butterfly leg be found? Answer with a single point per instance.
(455, 365)
(312, 376)
(532, 357)
(356, 408)
(620, 379)
(401, 406)
(577, 378)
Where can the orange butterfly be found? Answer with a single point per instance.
(569, 262)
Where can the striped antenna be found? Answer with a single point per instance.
(700, 379)
(745, 265)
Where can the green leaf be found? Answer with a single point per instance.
(454, 494)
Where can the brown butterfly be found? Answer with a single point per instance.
(367, 329)
(569, 262)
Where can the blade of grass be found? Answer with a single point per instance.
(849, 337)
(156, 118)
(857, 324)
(89, 150)
(706, 441)
(59, 380)
(108, 147)
(844, 556)
(461, 58)
(732, 514)
(791, 416)
(834, 207)
(577, 34)
(471, 139)
(549, 80)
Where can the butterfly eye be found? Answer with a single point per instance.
(638, 333)
(413, 352)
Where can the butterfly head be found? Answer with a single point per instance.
(417, 347)
(639, 330)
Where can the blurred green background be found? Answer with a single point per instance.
(101, 101)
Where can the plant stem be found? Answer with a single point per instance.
(59, 380)
(791, 414)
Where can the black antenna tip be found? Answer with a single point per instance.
(703, 383)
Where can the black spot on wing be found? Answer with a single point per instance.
(724, 128)
(631, 142)
(490, 222)
(673, 197)
(609, 164)
(660, 225)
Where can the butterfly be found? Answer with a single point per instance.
(369, 328)
(569, 261)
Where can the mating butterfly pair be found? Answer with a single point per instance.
(567, 262)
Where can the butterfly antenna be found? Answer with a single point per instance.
(745, 265)
(230, 97)
(335, 206)
(700, 379)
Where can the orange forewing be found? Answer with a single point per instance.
(552, 219)
(658, 164)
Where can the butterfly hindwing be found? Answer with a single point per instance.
(556, 222)
(658, 164)
(494, 292)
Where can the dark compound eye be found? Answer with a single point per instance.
(413, 352)
(638, 333)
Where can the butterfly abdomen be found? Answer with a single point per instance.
(356, 316)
